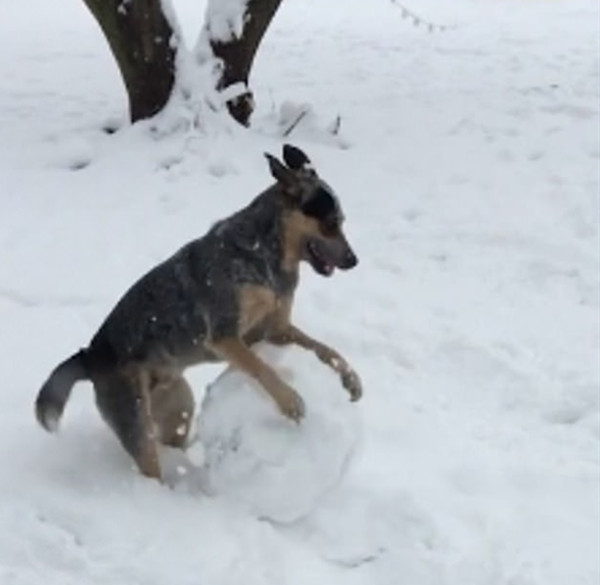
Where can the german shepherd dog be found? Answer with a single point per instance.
(209, 302)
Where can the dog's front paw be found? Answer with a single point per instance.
(290, 403)
(352, 383)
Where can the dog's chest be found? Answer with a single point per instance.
(256, 305)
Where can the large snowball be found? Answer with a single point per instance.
(272, 466)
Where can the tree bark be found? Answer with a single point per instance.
(141, 40)
(238, 55)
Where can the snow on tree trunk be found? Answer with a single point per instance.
(144, 44)
(147, 44)
(234, 29)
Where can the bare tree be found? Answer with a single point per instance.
(145, 46)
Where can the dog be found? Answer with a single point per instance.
(210, 302)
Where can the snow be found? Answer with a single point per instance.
(467, 166)
(225, 19)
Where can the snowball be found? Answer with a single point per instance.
(272, 466)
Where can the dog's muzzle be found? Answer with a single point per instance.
(348, 260)
(326, 255)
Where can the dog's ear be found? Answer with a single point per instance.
(286, 178)
(295, 158)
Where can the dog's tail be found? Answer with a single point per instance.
(54, 394)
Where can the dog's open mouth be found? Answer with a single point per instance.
(316, 256)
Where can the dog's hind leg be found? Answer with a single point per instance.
(172, 406)
(123, 400)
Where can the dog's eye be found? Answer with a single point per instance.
(320, 205)
(330, 226)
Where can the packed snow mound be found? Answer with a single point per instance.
(272, 466)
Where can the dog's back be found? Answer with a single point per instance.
(170, 310)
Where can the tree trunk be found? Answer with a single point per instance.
(238, 54)
(141, 40)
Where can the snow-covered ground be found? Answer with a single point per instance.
(468, 171)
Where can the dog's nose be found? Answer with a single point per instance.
(349, 260)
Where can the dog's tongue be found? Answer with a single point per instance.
(328, 268)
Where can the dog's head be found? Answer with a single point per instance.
(315, 219)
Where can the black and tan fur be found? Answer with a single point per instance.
(210, 301)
